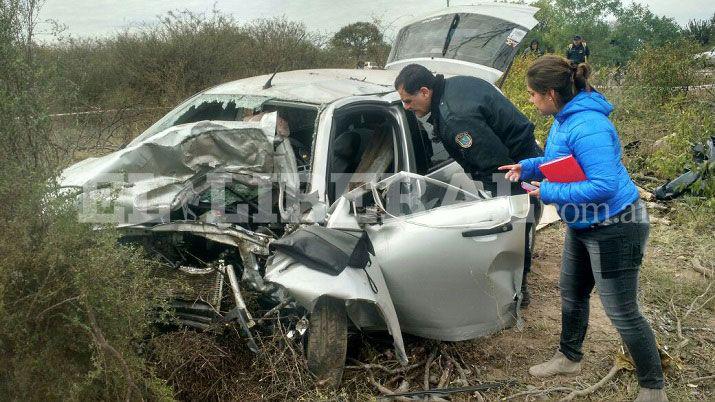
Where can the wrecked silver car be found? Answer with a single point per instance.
(315, 190)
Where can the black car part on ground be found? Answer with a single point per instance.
(704, 160)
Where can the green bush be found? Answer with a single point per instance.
(162, 63)
(612, 29)
(74, 307)
(663, 71)
(514, 88)
(656, 110)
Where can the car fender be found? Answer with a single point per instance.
(364, 292)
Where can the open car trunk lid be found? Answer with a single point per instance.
(479, 40)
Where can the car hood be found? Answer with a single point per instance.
(174, 167)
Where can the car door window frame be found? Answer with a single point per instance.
(401, 141)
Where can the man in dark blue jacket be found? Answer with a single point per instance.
(479, 127)
(577, 51)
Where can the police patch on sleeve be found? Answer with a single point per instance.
(464, 139)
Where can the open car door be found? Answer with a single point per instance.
(445, 263)
(453, 260)
(479, 40)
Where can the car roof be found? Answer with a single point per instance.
(317, 86)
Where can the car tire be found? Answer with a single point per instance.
(327, 341)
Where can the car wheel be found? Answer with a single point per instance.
(327, 341)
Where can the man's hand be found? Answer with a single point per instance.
(514, 172)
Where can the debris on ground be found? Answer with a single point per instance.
(704, 160)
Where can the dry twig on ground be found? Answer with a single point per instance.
(428, 364)
(537, 392)
(698, 267)
(595, 387)
(694, 307)
(699, 379)
(371, 366)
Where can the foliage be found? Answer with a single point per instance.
(514, 89)
(363, 41)
(183, 53)
(635, 27)
(613, 32)
(662, 71)
(703, 31)
(661, 117)
(73, 305)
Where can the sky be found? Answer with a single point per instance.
(88, 18)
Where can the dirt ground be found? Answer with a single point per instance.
(507, 355)
(220, 368)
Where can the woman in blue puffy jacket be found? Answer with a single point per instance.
(607, 223)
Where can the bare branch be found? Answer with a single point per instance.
(444, 379)
(370, 366)
(462, 372)
(99, 339)
(386, 391)
(539, 392)
(593, 388)
(699, 379)
(428, 364)
(54, 306)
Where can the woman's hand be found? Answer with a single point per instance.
(514, 172)
(536, 193)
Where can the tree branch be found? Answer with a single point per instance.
(593, 388)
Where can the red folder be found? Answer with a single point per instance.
(563, 170)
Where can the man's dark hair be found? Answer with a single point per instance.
(413, 77)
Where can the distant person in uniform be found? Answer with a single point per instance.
(578, 51)
(479, 128)
(534, 49)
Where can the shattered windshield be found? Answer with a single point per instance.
(206, 107)
(476, 39)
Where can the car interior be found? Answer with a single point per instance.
(363, 140)
(363, 148)
(300, 120)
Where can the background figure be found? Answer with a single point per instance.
(578, 51)
(534, 49)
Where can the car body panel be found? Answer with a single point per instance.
(478, 40)
(357, 287)
(316, 86)
(446, 286)
(166, 171)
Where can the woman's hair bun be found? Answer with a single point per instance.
(581, 75)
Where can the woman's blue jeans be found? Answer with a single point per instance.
(609, 257)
